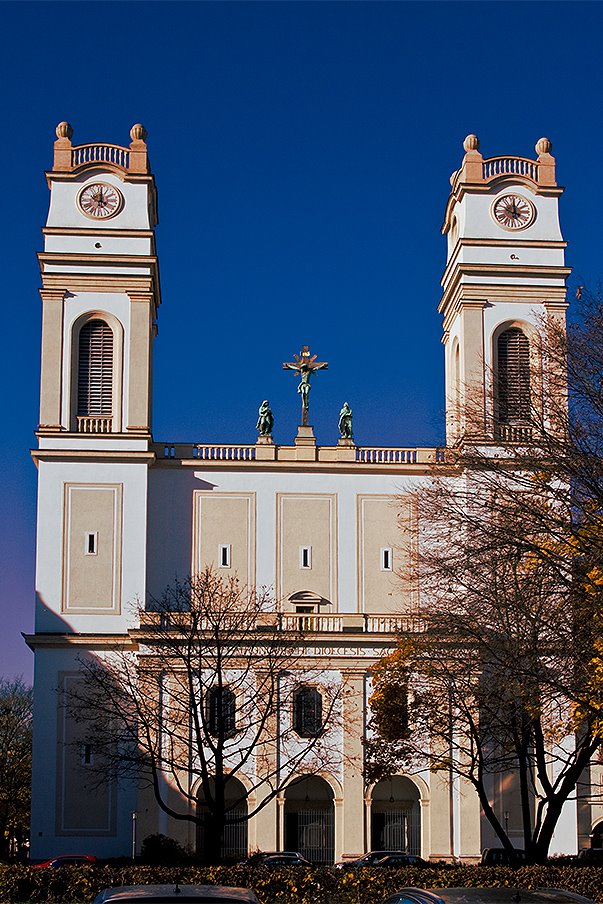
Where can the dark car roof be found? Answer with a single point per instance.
(168, 893)
(508, 896)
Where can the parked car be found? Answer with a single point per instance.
(67, 860)
(486, 896)
(498, 856)
(166, 894)
(367, 859)
(398, 861)
(589, 857)
(276, 858)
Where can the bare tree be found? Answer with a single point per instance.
(15, 764)
(218, 690)
(508, 674)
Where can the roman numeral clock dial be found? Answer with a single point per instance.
(100, 201)
(513, 212)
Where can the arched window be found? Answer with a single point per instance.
(513, 377)
(221, 712)
(95, 370)
(307, 712)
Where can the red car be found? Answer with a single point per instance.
(68, 860)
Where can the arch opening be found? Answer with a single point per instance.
(234, 844)
(310, 819)
(396, 816)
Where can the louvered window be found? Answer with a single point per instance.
(513, 377)
(95, 370)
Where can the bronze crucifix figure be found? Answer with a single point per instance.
(304, 366)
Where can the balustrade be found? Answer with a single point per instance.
(100, 153)
(514, 433)
(89, 424)
(500, 166)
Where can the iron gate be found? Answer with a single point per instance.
(402, 831)
(316, 835)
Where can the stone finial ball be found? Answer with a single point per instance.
(138, 132)
(64, 130)
(543, 146)
(471, 143)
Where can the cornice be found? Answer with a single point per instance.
(90, 641)
(122, 283)
(84, 230)
(102, 455)
(502, 271)
(113, 260)
(479, 294)
(298, 467)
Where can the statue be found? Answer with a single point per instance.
(304, 366)
(345, 422)
(265, 420)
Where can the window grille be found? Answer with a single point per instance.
(307, 712)
(95, 370)
(221, 712)
(513, 376)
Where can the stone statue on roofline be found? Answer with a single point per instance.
(345, 422)
(265, 419)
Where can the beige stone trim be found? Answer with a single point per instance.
(88, 230)
(97, 260)
(319, 467)
(98, 454)
(102, 282)
(465, 293)
(70, 779)
(70, 491)
(52, 358)
(89, 641)
(139, 356)
(280, 500)
(196, 552)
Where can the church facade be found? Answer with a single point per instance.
(120, 512)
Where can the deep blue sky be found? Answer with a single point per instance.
(302, 153)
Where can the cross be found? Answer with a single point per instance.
(304, 366)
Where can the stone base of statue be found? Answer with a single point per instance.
(265, 449)
(305, 436)
(346, 449)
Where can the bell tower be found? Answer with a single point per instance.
(505, 276)
(100, 291)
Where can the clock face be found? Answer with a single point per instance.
(513, 212)
(100, 201)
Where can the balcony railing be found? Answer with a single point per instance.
(100, 153)
(502, 166)
(306, 622)
(90, 424)
(514, 433)
(364, 455)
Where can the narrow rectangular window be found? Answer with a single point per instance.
(305, 557)
(386, 558)
(91, 543)
(87, 754)
(224, 555)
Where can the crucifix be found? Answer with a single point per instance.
(304, 366)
